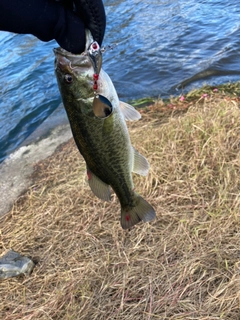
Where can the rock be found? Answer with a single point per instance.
(13, 264)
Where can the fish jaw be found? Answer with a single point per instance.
(77, 64)
(67, 63)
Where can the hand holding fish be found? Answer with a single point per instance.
(63, 20)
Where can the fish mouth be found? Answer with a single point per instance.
(81, 60)
(65, 58)
(62, 52)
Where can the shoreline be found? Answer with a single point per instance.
(16, 169)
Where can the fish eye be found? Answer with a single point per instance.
(68, 78)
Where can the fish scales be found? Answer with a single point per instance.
(101, 152)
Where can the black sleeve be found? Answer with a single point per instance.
(93, 15)
(47, 20)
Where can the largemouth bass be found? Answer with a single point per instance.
(99, 129)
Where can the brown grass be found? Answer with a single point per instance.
(184, 265)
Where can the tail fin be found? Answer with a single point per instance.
(143, 211)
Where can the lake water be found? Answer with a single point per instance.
(164, 48)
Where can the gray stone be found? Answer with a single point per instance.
(13, 264)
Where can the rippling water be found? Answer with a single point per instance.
(164, 48)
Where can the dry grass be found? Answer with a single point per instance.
(184, 265)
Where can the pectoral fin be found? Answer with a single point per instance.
(98, 187)
(129, 112)
(140, 163)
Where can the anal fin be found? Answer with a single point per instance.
(140, 164)
(98, 187)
